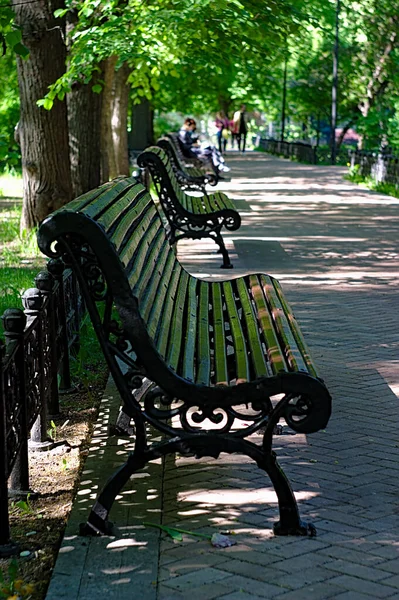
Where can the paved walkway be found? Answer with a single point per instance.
(334, 247)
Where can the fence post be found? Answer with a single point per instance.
(14, 321)
(56, 267)
(33, 301)
(45, 283)
(7, 547)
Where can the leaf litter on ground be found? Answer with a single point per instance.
(217, 540)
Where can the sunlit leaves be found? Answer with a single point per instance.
(10, 34)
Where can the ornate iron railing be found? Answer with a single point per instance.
(34, 367)
(297, 150)
(382, 167)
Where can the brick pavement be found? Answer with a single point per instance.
(334, 247)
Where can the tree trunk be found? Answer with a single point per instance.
(142, 126)
(84, 122)
(43, 134)
(115, 100)
(108, 165)
(119, 120)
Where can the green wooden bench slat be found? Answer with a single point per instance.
(114, 211)
(177, 332)
(158, 282)
(204, 351)
(240, 347)
(188, 367)
(186, 202)
(274, 351)
(221, 374)
(157, 318)
(294, 357)
(150, 265)
(260, 366)
(156, 239)
(295, 329)
(140, 211)
(96, 200)
(198, 207)
(162, 337)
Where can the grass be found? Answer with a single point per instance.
(390, 189)
(10, 185)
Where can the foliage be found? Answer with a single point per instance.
(223, 56)
(9, 113)
(13, 588)
(390, 189)
(10, 34)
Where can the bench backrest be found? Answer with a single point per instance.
(163, 176)
(122, 227)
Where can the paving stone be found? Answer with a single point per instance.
(318, 591)
(361, 571)
(377, 590)
(205, 592)
(196, 578)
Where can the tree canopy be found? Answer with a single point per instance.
(201, 56)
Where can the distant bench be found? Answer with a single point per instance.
(189, 176)
(204, 166)
(202, 362)
(188, 216)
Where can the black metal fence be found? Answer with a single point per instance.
(34, 368)
(297, 150)
(382, 167)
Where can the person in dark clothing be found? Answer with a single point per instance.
(241, 127)
(204, 151)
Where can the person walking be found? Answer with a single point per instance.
(240, 126)
(223, 127)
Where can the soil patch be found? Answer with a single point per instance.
(38, 523)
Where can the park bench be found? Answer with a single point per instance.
(188, 216)
(213, 366)
(185, 157)
(190, 177)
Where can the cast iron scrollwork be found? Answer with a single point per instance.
(174, 416)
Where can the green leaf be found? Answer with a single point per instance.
(97, 89)
(60, 12)
(21, 50)
(13, 37)
(47, 103)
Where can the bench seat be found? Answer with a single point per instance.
(207, 364)
(189, 216)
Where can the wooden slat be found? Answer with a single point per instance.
(198, 207)
(162, 336)
(295, 329)
(94, 201)
(260, 366)
(188, 370)
(143, 208)
(161, 271)
(240, 348)
(221, 374)
(155, 260)
(274, 352)
(287, 340)
(135, 263)
(114, 211)
(177, 327)
(204, 351)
